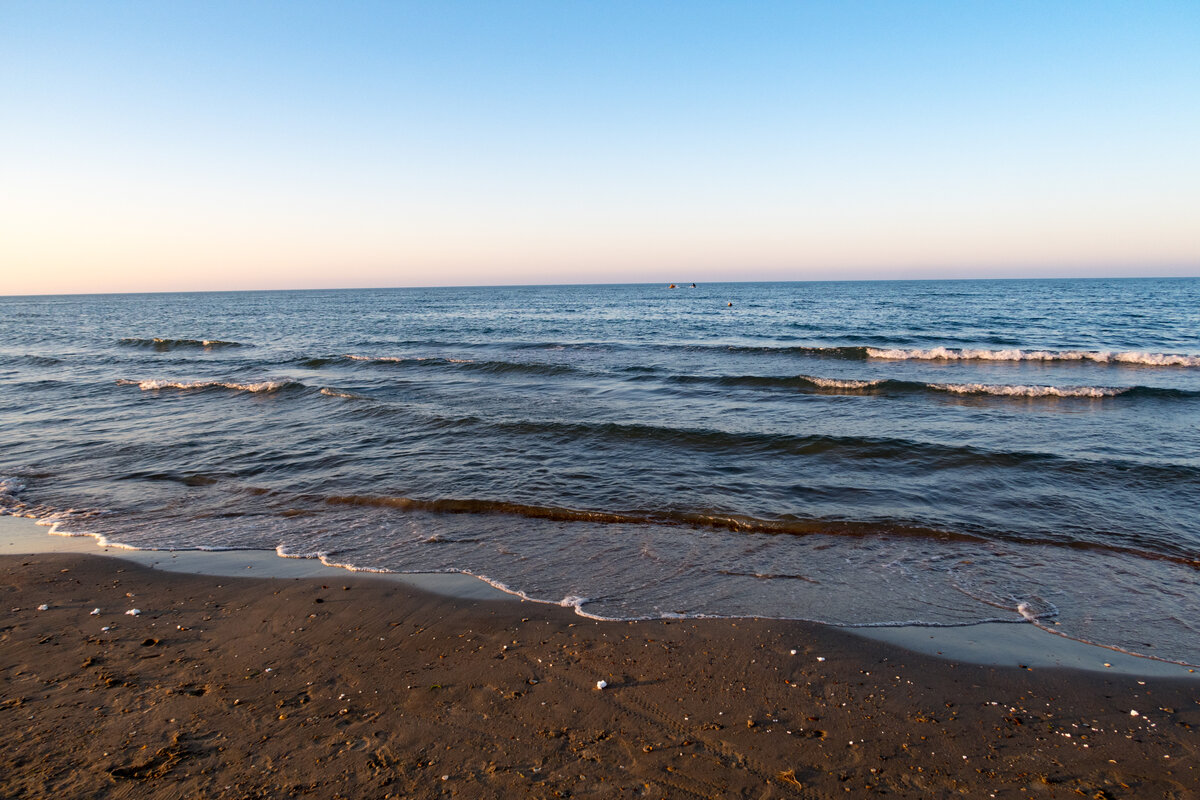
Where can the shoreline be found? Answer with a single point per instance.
(257, 687)
(1015, 644)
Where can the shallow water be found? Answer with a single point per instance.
(938, 452)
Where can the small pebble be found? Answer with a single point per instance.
(95, 611)
(1133, 713)
(820, 658)
(601, 684)
(43, 607)
(133, 612)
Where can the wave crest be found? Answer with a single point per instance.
(888, 386)
(1097, 356)
(259, 387)
(740, 523)
(331, 392)
(1028, 391)
(843, 383)
(495, 367)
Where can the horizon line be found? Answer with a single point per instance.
(664, 284)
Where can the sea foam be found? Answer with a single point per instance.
(1028, 391)
(842, 383)
(1097, 356)
(258, 387)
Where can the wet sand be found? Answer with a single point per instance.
(362, 687)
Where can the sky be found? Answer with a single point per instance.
(160, 146)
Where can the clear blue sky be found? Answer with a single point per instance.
(211, 145)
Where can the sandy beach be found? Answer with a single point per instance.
(364, 687)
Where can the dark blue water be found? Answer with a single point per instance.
(858, 453)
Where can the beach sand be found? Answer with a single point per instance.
(366, 687)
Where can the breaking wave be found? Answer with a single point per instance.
(259, 387)
(1028, 391)
(1097, 356)
(814, 384)
(330, 392)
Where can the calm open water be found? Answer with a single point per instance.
(938, 452)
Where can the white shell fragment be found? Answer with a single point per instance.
(601, 684)
(133, 612)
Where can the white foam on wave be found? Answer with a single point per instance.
(101, 539)
(324, 558)
(570, 601)
(154, 385)
(1028, 391)
(11, 486)
(1097, 356)
(841, 383)
(407, 359)
(390, 359)
(328, 392)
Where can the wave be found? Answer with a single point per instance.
(814, 384)
(10, 487)
(495, 367)
(30, 360)
(834, 352)
(1027, 391)
(701, 519)
(786, 525)
(899, 453)
(802, 382)
(259, 387)
(865, 352)
(331, 392)
(1097, 356)
(162, 344)
(849, 352)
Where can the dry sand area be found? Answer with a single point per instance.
(365, 688)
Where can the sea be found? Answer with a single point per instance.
(936, 453)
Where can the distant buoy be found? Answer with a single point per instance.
(730, 305)
(672, 286)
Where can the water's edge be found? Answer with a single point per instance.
(25, 536)
(992, 643)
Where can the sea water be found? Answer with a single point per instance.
(856, 453)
